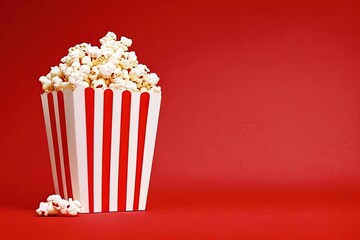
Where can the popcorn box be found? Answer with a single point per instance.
(101, 145)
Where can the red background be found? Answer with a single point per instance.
(259, 132)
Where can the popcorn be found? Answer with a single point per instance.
(109, 66)
(110, 36)
(143, 89)
(65, 85)
(120, 81)
(55, 71)
(98, 83)
(85, 60)
(94, 52)
(53, 198)
(125, 74)
(126, 41)
(56, 80)
(74, 54)
(81, 84)
(44, 209)
(118, 54)
(131, 55)
(90, 64)
(107, 52)
(44, 80)
(94, 73)
(143, 68)
(152, 78)
(131, 85)
(76, 65)
(64, 59)
(107, 69)
(139, 73)
(63, 67)
(74, 207)
(47, 88)
(85, 69)
(68, 71)
(55, 205)
(75, 76)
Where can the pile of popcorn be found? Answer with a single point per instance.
(110, 66)
(55, 205)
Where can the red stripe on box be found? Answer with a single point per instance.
(64, 144)
(55, 142)
(89, 111)
(106, 154)
(143, 113)
(124, 149)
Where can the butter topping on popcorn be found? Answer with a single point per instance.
(110, 66)
(55, 205)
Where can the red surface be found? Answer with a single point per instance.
(89, 101)
(259, 132)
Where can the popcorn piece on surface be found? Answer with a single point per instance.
(73, 207)
(55, 205)
(43, 209)
(109, 66)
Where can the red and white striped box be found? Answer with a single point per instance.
(101, 145)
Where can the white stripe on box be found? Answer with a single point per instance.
(81, 147)
(133, 139)
(150, 136)
(115, 144)
(45, 105)
(71, 141)
(61, 154)
(98, 142)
